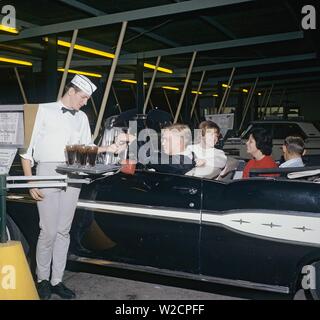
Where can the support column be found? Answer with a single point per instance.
(50, 65)
(185, 86)
(140, 86)
(21, 86)
(3, 194)
(110, 79)
(151, 85)
(187, 105)
(239, 111)
(67, 65)
(197, 95)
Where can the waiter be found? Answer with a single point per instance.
(57, 124)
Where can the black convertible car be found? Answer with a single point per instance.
(258, 233)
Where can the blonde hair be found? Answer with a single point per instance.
(182, 129)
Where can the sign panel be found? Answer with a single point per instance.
(224, 121)
(11, 126)
(6, 159)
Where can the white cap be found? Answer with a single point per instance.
(84, 84)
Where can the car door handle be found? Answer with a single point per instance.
(185, 190)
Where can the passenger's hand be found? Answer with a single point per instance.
(200, 162)
(113, 148)
(123, 138)
(36, 194)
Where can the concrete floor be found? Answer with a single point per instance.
(90, 286)
(99, 287)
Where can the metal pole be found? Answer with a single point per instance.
(94, 106)
(117, 100)
(249, 102)
(226, 91)
(3, 194)
(140, 86)
(151, 85)
(66, 68)
(196, 116)
(21, 86)
(197, 95)
(268, 100)
(227, 98)
(281, 99)
(271, 90)
(151, 104)
(110, 79)
(168, 102)
(264, 97)
(185, 87)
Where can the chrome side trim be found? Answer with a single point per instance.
(185, 275)
(140, 210)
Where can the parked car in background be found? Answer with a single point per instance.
(279, 130)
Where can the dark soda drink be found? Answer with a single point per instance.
(82, 155)
(71, 154)
(92, 152)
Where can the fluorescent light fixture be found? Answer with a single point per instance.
(151, 66)
(215, 95)
(8, 29)
(89, 74)
(104, 54)
(132, 81)
(15, 61)
(84, 49)
(245, 90)
(171, 88)
(196, 92)
(225, 86)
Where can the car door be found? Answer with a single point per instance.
(148, 219)
(258, 233)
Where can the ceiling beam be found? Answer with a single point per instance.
(180, 73)
(83, 7)
(245, 76)
(270, 74)
(219, 45)
(262, 84)
(140, 14)
(88, 9)
(213, 46)
(251, 63)
(217, 25)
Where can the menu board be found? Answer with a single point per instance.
(11, 134)
(11, 126)
(6, 159)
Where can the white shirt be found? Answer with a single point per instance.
(215, 160)
(296, 162)
(53, 130)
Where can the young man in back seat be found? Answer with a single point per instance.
(293, 150)
(210, 160)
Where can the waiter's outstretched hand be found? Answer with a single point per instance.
(36, 194)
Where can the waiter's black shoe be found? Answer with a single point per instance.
(44, 290)
(62, 291)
